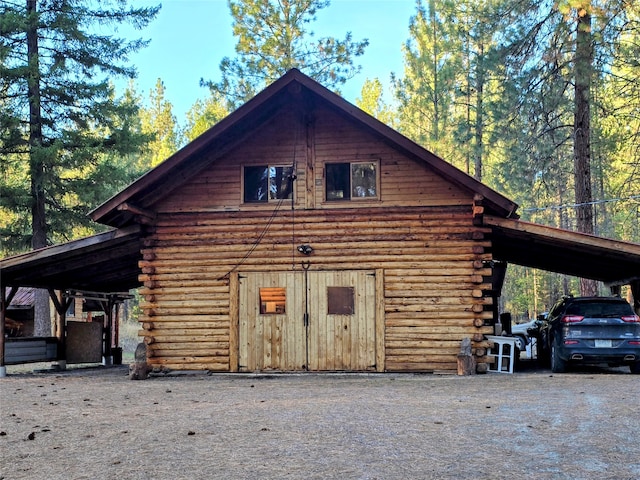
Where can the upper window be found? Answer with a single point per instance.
(263, 183)
(351, 181)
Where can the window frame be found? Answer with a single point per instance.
(353, 198)
(268, 167)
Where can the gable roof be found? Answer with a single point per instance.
(292, 88)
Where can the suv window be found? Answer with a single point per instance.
(598, 309)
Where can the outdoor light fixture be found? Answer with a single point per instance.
(305, 249)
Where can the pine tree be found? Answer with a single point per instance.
(272, 39)
(204, 114)
(372, 102)
(59, 108)
(159, 122)
(570, 48)
(426, 92)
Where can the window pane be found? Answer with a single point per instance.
(280, 183)
(363, 180)
(340, 301)
(273, 300)
(337, 181)
(255, 184)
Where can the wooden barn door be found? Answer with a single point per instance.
(342, 334)
(340, 307)
(272, 331)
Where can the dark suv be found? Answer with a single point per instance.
(591, 330)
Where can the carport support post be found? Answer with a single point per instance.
(108, 310)
(3, 309)
(61, 329)
(635, 290)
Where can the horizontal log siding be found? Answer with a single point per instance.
(433, 277)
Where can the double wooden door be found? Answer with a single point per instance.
(307, 320)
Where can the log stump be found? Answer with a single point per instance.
(140, 369)
(466, 361)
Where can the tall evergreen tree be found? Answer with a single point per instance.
(451, 76)
(59, 107)
(204, 114)
(272, 39)
(159, 122)
(372, 102)
(576, 43)
(427, 89)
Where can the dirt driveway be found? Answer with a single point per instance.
(97, 423)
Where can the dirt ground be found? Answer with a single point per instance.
(96, 423)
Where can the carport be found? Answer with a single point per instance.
(106, 265)
(102, 268)
(528, 244)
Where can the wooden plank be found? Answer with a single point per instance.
(380, 320)
(234, 319)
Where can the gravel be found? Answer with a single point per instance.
(96, 423)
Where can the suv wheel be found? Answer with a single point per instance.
(558, 365)
(635, 368)
(521, 343)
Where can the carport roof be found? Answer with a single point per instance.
(557, 250)
(106, 262)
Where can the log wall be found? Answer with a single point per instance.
(434, 276)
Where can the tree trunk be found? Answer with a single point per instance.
(478, 150)
(435, 128)
(42, 319)
(583, 67)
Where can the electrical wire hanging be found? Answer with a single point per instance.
(576, 205)
(294, 176)
(291, 178)
(257, 242)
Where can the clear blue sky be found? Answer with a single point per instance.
(189, 38)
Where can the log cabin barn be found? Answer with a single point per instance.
(301, 234)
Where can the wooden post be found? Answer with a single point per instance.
(466, 361)
(108, 356)
(61, 307)
(234, 321)
(116, 325)
(3, 310)
(635, 291)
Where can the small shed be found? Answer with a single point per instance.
(301, 234)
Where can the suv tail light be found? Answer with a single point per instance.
(631, 318)
(572, 318)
